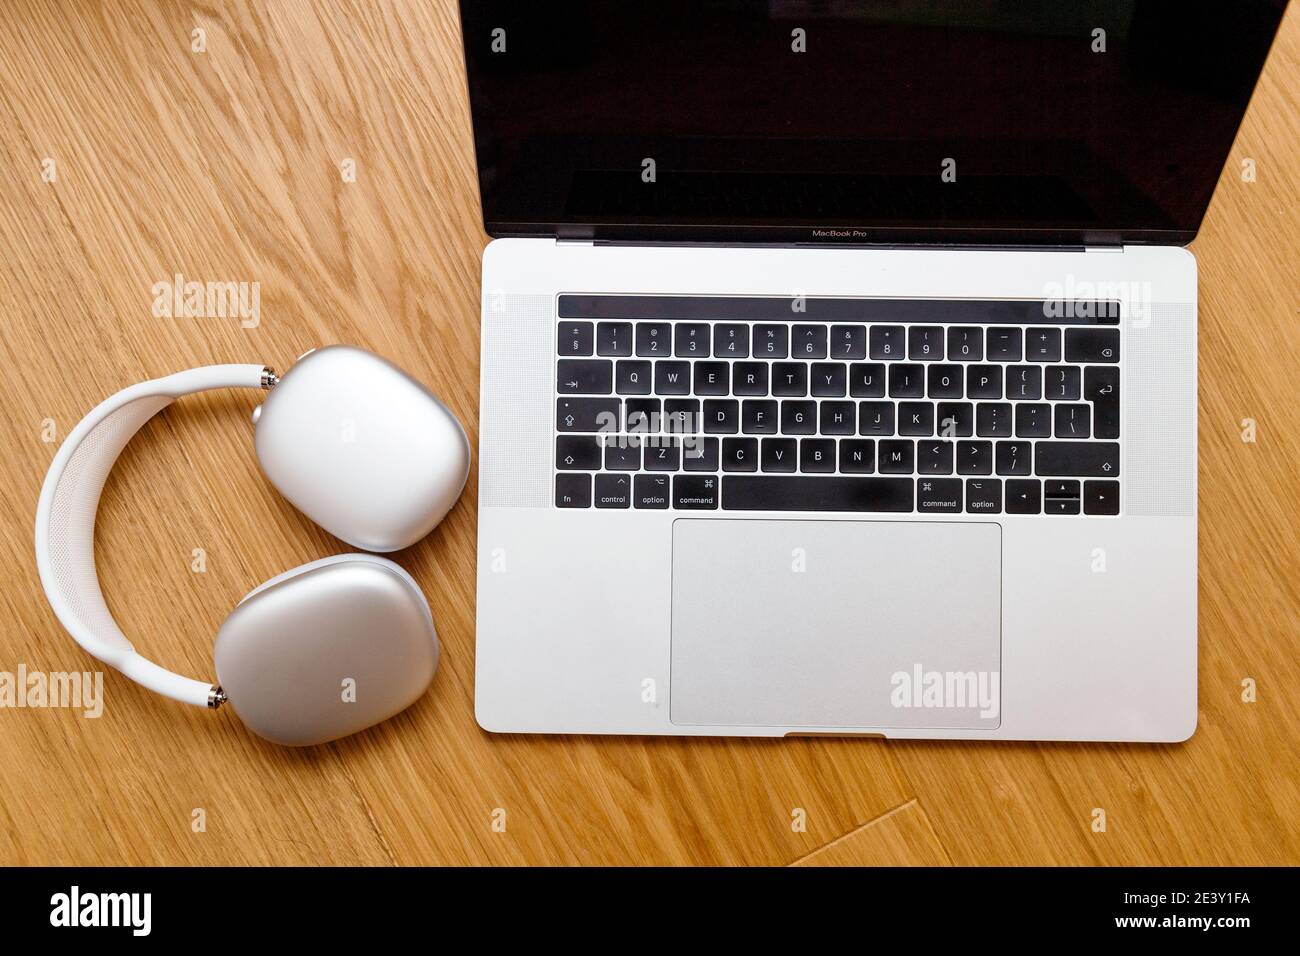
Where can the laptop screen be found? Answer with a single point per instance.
(1016, 122)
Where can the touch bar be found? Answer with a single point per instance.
(814, 309)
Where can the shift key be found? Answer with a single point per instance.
(1085, 459)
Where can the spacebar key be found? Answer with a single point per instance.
(810, 493)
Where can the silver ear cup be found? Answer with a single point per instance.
(327, 649)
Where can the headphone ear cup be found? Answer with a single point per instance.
(327, 649)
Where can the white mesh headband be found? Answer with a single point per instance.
(65, 520)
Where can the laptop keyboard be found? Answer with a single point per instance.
(757, 404)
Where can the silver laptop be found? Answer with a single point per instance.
(839, 364)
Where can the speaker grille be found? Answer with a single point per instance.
(1160, 412)
(515, 425)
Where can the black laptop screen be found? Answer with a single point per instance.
(842, 121)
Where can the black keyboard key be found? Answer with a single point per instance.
(722, 416)
(974, 457)
(731, 340)
(1004, 344)
(946, 381)
(955, 419)
(1061, 488)
(587, 415)
(662, 453)
(816, 493)
(614, 338)
(934, 457)
(577, 452)
(749, 378)
(1067, 505)
(1072, 421)
(1043, 345)
(907, 381)
(867, 380)
(966, 344)
(876, 418)
(584, 377)
(771, 341)
(938, 495)
(672, 378)
(857, 456)
(925, 343)
(984, 381)
(1013, 457)
(817, 455)
(632, 377)
(576, 339)
(613, 491)
(651, 491)
(887, 343)
(780, 454)
(916, 418)
(1083, 459)
(573, 491)
(848, 341)
(1101, 387)
(808, 342)
(642, 415)
(1061, 383)
(1024, 496)
(622, 453)
(682, 416)
(799, 418)
(740, 454)
(789, 379)
(760, 417)
(700, 454)
(695, 492)
(1101, 497)
(712, 378)
(838, 418)
(1024, 383)
(1033, 420)
(691, 340)
(984, 496)
(830, 379)
(654, 339)
(994, 420)
(1092, 345)
(897, 457)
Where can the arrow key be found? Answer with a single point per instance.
(1101, 497)
(1024, 496)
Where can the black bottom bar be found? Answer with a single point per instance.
(807, 493)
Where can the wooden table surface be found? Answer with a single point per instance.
(128, 157)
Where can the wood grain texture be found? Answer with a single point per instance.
(901, 837)
(225, 165)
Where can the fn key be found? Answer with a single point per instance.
(573, 491)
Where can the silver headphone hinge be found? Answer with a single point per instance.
(216, 697)
(269, 379)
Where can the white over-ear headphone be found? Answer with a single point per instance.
(328, 648)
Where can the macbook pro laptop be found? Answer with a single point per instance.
(839, 362)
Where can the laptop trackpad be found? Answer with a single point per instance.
(836, 624)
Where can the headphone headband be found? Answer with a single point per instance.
(65, 520)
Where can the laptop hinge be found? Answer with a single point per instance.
(1117, 247)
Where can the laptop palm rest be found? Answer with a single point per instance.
(836, 624)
